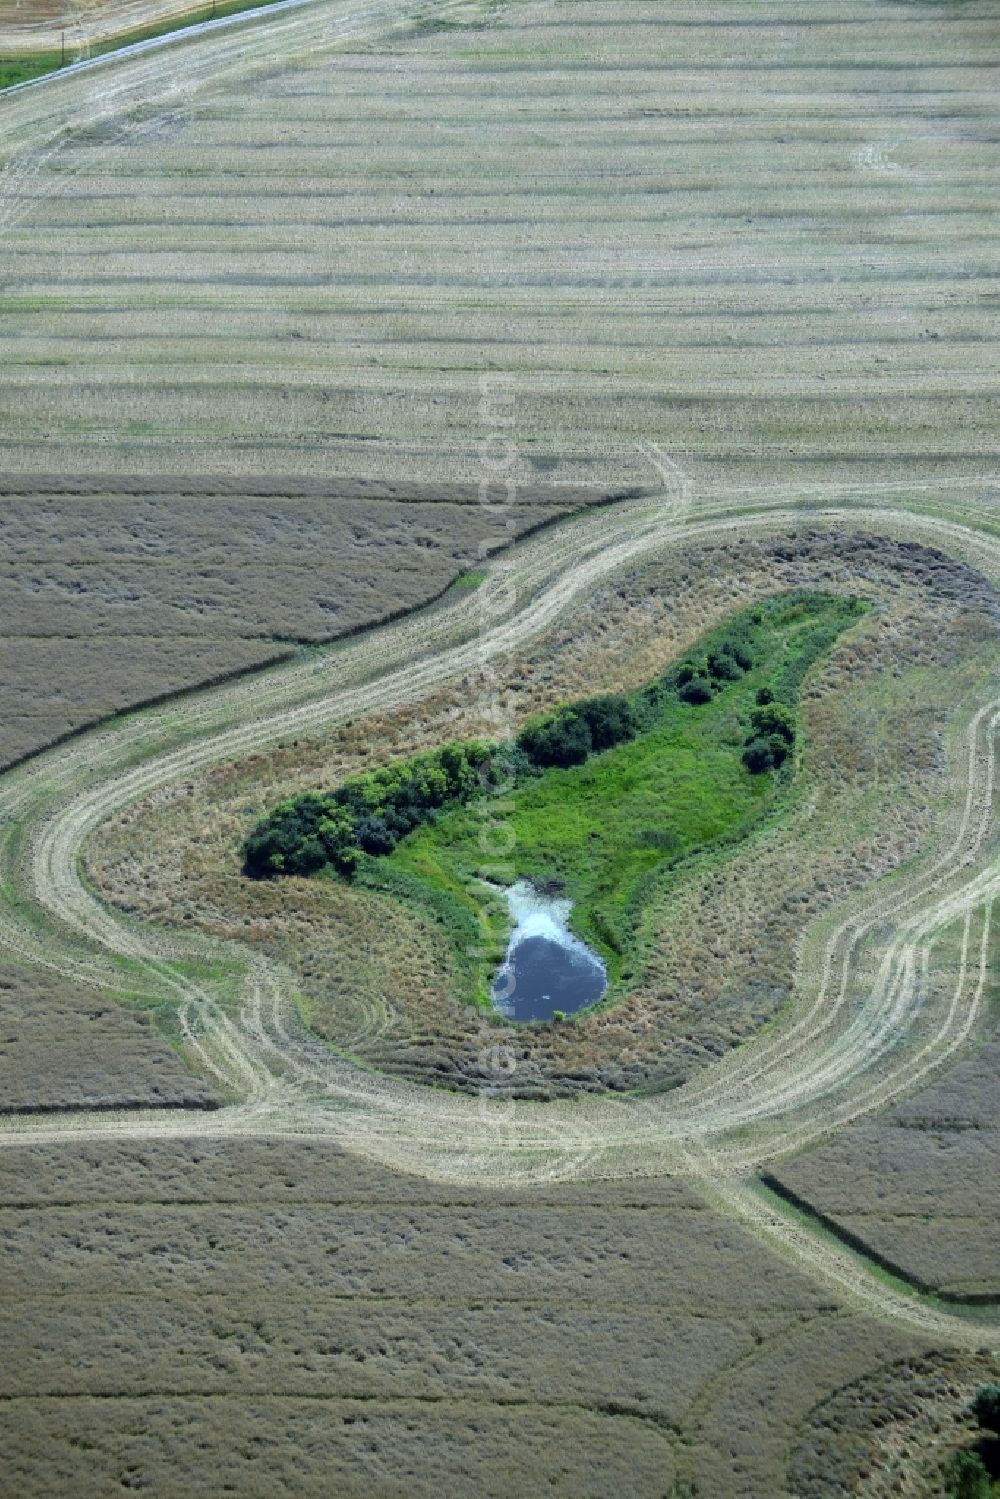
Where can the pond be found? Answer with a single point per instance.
(546, 968)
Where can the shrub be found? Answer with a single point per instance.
(776, 719)
(764, 695)
(966, 1477)
(723, 666)
(369, 813)
(758, 757)
(611, 720)
(986, 1408)
(741, 654)
(374, 836)
(696, 690)
(779, 748)
(563, 740)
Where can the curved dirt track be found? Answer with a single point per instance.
(843, 1048)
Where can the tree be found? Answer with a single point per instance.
(696, 690)
(758, 757)
(374, 836)
(562, 740)
(611, 720)
(774, 718)
(723, 666)
(310, 855)
(459, 771)
(986, 1408)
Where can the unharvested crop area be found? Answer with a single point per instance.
(266, 1314)
(918, 1187)
(122, 592)
(736, 260)
(64, 1047)
(890, 1432)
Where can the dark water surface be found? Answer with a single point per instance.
(542, 974)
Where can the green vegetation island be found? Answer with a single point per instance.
(599, 800)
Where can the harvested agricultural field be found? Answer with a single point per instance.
(762, 241)
(313, 318)
(53, 33)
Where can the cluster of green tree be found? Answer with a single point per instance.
(570, 736)
(973, 1472)
(772, 725)
(772, 734)
(698, 681)
(367, 814)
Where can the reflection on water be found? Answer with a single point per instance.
(546, 968)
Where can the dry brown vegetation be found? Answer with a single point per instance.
(719, 944)
(117, 594)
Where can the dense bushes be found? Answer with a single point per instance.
(562, 740)
(696, 689)
(986, 1408)
(697, 681)
(569, 736)
(972, 1472)
(371, 813)
(772, 724)
(368, 814)
(758, 756)
(967, 1477)
(772, 734)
